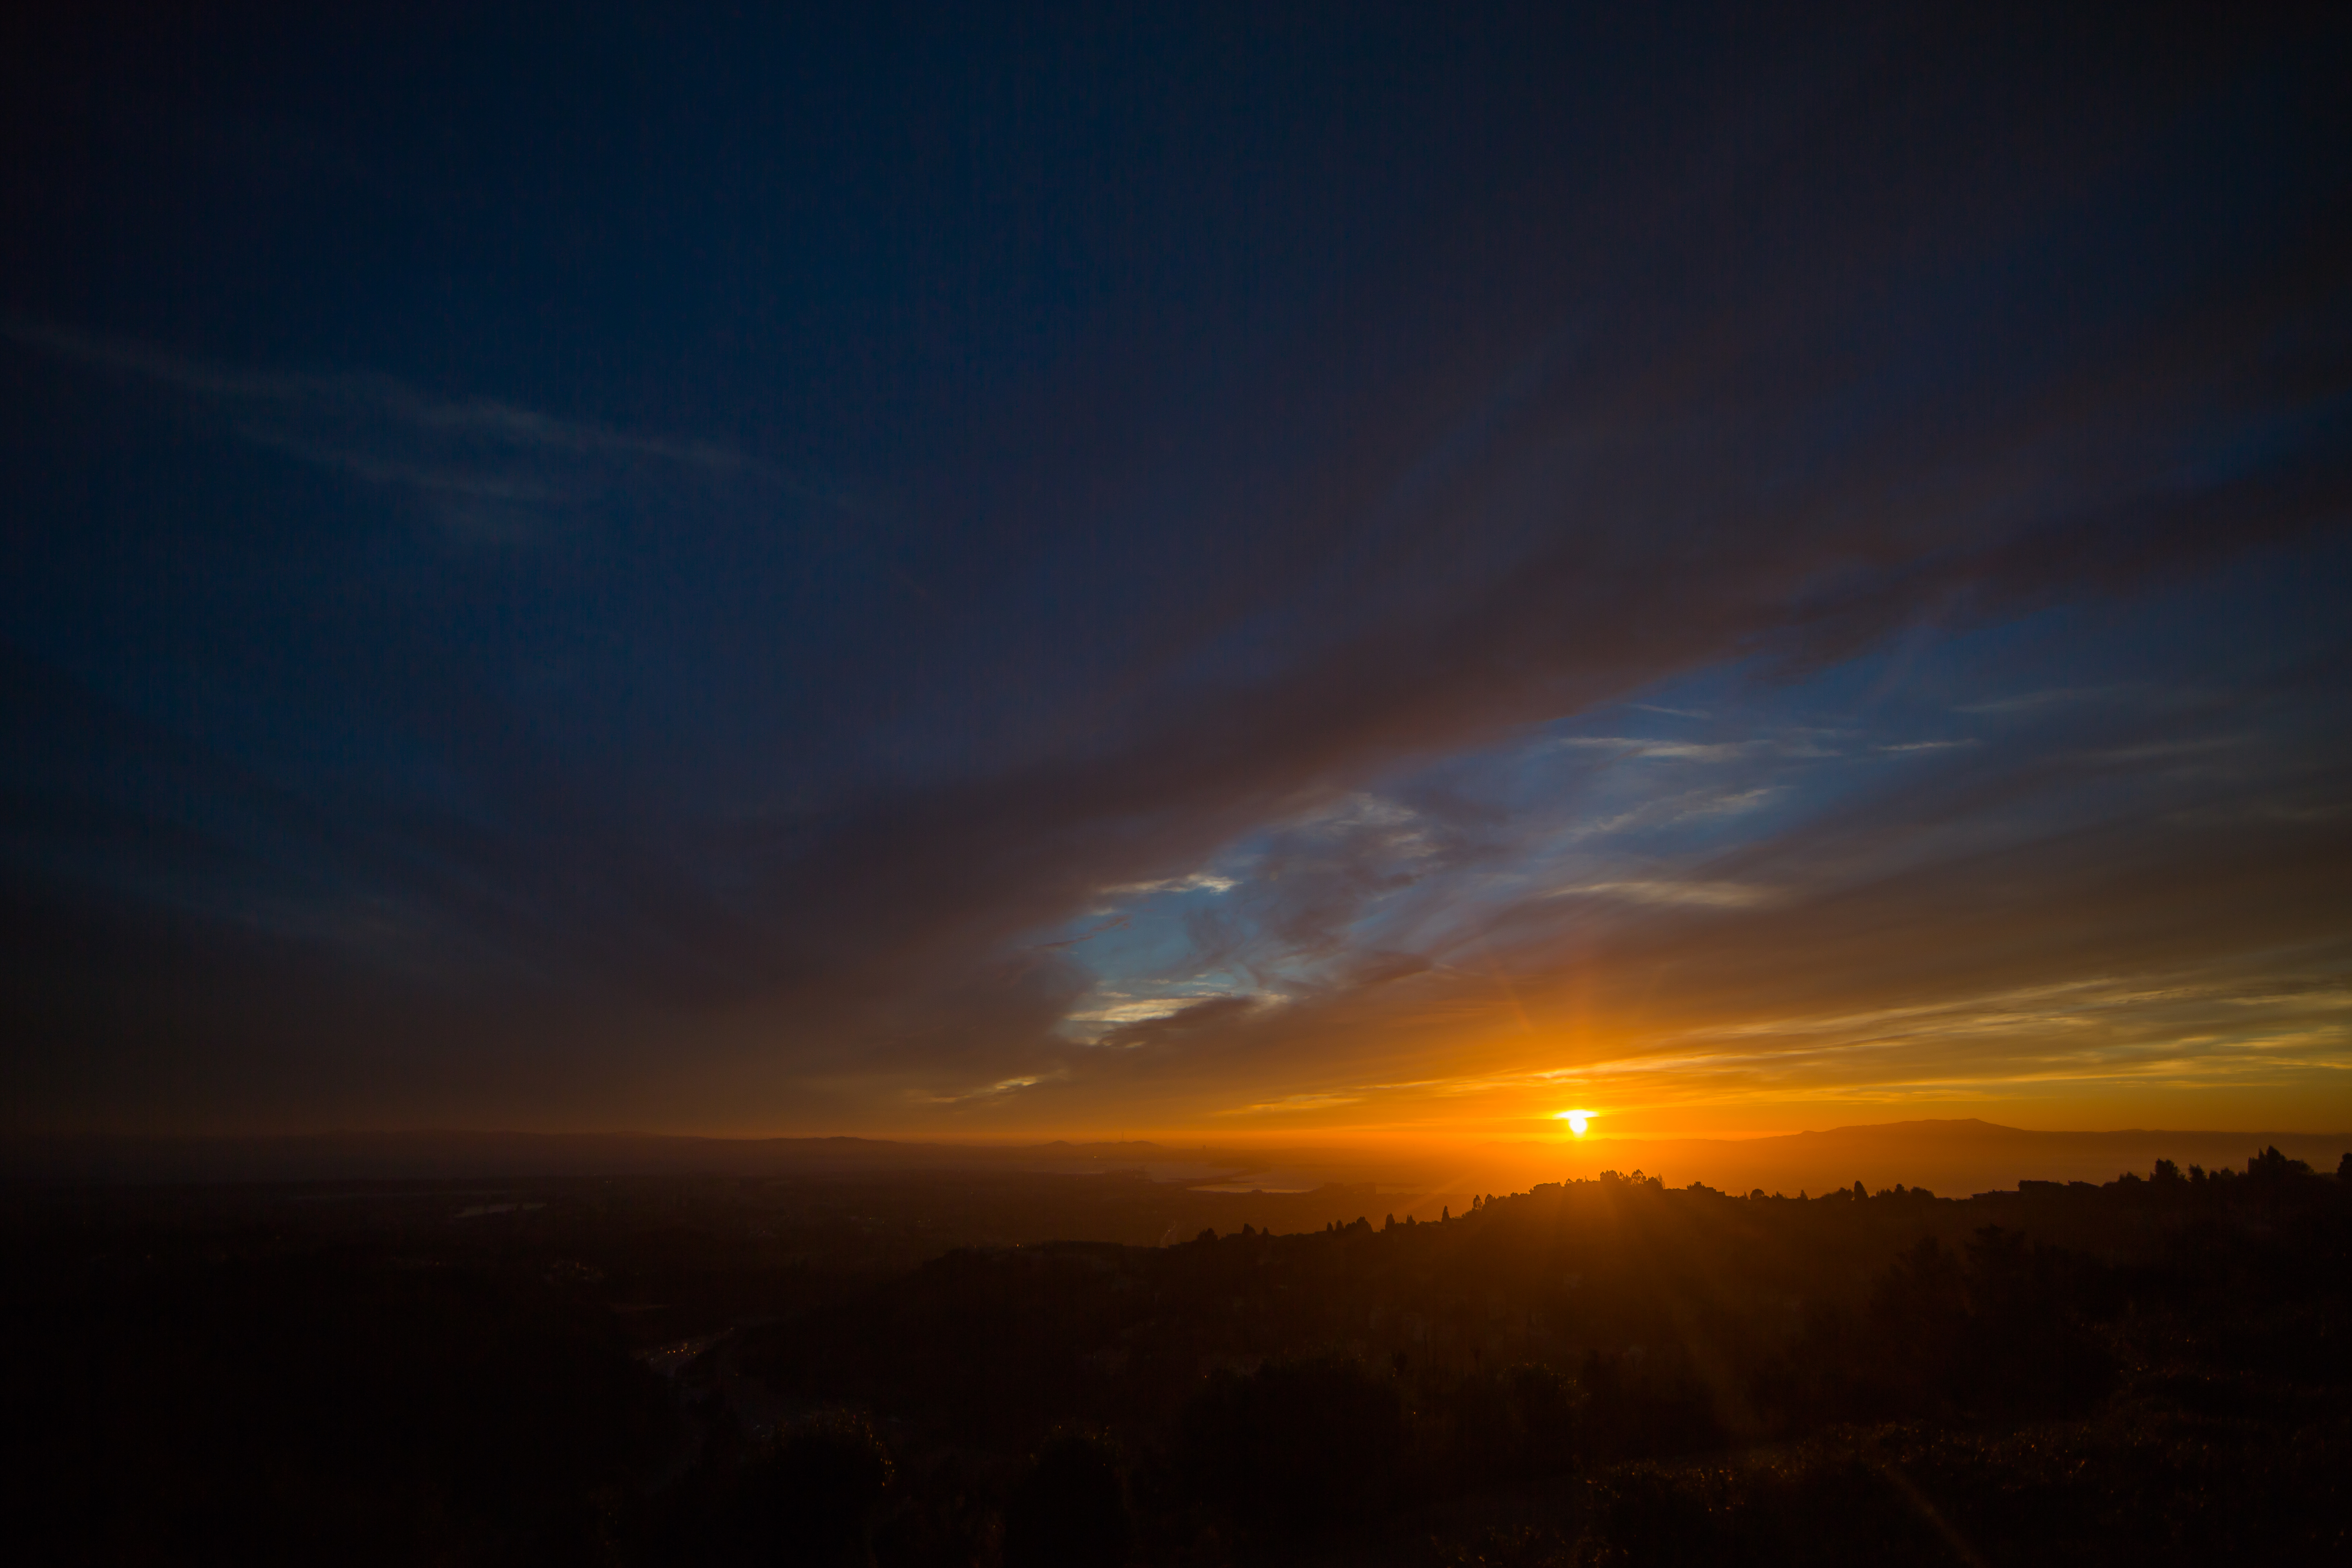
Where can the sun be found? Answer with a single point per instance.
(1577, 1120)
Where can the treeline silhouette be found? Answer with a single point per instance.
(2153, 1370)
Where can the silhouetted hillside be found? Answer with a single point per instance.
(903, 1370)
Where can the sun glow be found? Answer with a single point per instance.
(1577, 1119)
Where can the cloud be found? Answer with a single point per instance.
(1677, 751)
(984, 1092)
(1294, 590)
(1698, 895)
(483, 466)
(1191, 882)
(1296, 1102)
(2028, 702)
(1134, 1010)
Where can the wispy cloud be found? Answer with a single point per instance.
(985, 1092)
(1294, 1102)
(2051, 697)
(1674, 750)
(485, 467)
(1135, 1010)
(1698, 895)
(1192, 882)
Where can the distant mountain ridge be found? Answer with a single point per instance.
(1952, 1157)
(438, 1153)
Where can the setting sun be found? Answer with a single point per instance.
(1577, 1121)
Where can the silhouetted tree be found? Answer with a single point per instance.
(2025, 1348)
(1512, 1427)
(1923, 1295)
(1070, 1511)
(1295, 1447)
(2273, 1170)
(809, 1497)
(1637, 1406)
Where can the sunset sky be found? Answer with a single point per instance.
(1245, 573)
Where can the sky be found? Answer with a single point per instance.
(1252, 572)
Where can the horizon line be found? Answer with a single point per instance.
(1200, 1140)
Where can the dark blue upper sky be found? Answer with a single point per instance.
(976, 571)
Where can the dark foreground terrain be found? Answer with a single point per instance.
(913, 1370)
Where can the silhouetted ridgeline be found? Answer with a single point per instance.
(683, 1370)
(1953, 1155)
(1956, 1155)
